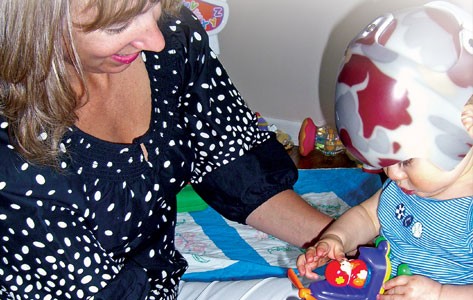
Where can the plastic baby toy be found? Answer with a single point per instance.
(360, 279)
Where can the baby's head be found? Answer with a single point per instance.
(403, 86)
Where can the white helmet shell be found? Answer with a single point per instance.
(402, 87)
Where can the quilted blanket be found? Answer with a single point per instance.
(219, 249)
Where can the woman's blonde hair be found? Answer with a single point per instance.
(36, 97)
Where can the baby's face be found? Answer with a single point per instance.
(421, 177)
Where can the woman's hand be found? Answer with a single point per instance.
(327, 248)
(413, 287)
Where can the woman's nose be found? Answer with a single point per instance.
(150, 39)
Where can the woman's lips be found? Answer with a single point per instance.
(125, 59)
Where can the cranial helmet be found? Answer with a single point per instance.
(402, 87)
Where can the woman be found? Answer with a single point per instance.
(104, 118)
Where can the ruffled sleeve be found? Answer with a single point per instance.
(237, 167)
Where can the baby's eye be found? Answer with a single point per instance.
(406, 163)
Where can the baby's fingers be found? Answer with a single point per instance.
(310, 255)
(330, 251)
(322, 249)
(317, 254)
(308, 271)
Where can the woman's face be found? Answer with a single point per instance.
(113, 49)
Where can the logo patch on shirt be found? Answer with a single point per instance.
(407, 220)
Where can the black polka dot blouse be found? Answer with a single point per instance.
(103, 228)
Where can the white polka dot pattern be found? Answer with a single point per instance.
(105, 225)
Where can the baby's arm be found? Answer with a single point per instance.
(420, 287)
(359, 225)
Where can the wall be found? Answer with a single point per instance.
(283, 56)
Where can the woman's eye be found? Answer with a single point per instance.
(116, 30)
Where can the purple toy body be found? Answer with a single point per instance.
(379, 267)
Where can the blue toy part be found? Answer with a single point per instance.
(379, 266)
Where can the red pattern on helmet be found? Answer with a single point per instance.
(346, 140)
(375, 103)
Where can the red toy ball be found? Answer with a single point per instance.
(353, 272)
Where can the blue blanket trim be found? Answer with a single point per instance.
(242, 270)
(231, 244)
(352, 185)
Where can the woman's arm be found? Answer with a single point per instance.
(288, 217)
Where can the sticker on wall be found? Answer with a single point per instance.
(213, 15)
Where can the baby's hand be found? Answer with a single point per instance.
(329, 247)
(410, 288)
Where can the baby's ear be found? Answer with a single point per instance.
(467, 117)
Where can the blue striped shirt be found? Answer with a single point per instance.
(435, 238)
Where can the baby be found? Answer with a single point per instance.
(404, 105)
